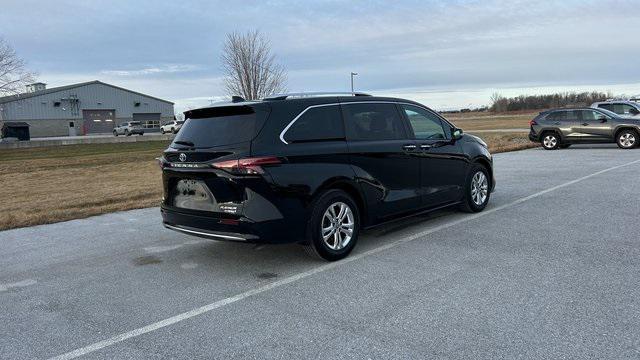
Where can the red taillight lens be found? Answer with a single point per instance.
(248, 166)
(532, 122)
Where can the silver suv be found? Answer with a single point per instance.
(620, 107)
(129, 128)
(562, 127)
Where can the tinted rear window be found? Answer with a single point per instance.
(219, 126)
(373, 122)
(317, 124)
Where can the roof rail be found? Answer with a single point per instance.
(313, 94)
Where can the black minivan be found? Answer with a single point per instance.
(317, 169)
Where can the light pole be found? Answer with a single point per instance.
(352, 75)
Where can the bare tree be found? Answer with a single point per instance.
(250, 69)
(13, 73)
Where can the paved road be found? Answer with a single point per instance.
(550, 270)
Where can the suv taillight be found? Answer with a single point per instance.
(247, 166)
(533, 122)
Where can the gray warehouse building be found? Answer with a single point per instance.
(87, 108)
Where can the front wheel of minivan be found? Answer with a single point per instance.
(333, 227)
(477, 189)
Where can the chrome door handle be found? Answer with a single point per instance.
(409, 147)
(426, 146)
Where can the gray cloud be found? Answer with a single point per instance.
(172, 49)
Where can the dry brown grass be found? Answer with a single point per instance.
(491, 121)
(45, 185)
(505, 141)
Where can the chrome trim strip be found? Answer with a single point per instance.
(358, 102)
(203, 233)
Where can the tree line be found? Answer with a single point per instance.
(500, 103)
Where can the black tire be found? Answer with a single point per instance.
(317, 246)
(162, 131)
(115, 133)
(173, 130)
(127, 133)
(141, 133)
(469, 203)
(565, 146)
(627, 139)
(550, 140)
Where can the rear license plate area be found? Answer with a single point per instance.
(194, 195)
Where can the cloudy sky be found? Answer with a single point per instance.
(446, 54)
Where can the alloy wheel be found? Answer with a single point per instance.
(337, 226)
(550, 141)
(627, 140)
(479, 188)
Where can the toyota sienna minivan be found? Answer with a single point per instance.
(316, 170)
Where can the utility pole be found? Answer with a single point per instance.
(352, 75)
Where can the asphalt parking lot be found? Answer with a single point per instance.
(550, 270)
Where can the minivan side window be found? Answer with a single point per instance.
(322, 123)
(373, 121)
(425, 124)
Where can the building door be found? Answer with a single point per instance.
(150, 121)
(99, 121)
(72, 128)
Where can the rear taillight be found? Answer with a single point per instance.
(533, 122)
(248, 166)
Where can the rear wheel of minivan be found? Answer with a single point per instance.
(333, 226)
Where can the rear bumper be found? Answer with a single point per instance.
(533, 136)
(215, 228)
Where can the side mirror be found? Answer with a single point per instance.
(456, 134)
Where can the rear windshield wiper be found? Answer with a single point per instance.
(186, 143)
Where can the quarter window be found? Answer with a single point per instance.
(373, 122)
(321, 123)
(426, 125)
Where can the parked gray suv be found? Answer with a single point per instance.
(562, 127)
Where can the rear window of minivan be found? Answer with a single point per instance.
(219, 126)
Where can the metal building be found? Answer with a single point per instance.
(86, 108)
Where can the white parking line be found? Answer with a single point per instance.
(230, 300)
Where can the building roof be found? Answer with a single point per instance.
(15, 124)
(11, 98)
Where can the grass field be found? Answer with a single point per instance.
(45, 185)
(491, 121)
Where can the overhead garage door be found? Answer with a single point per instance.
(99, 121)
(149, 121)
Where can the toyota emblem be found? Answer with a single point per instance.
(182, 157)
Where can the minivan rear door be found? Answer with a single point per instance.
(384, 158)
